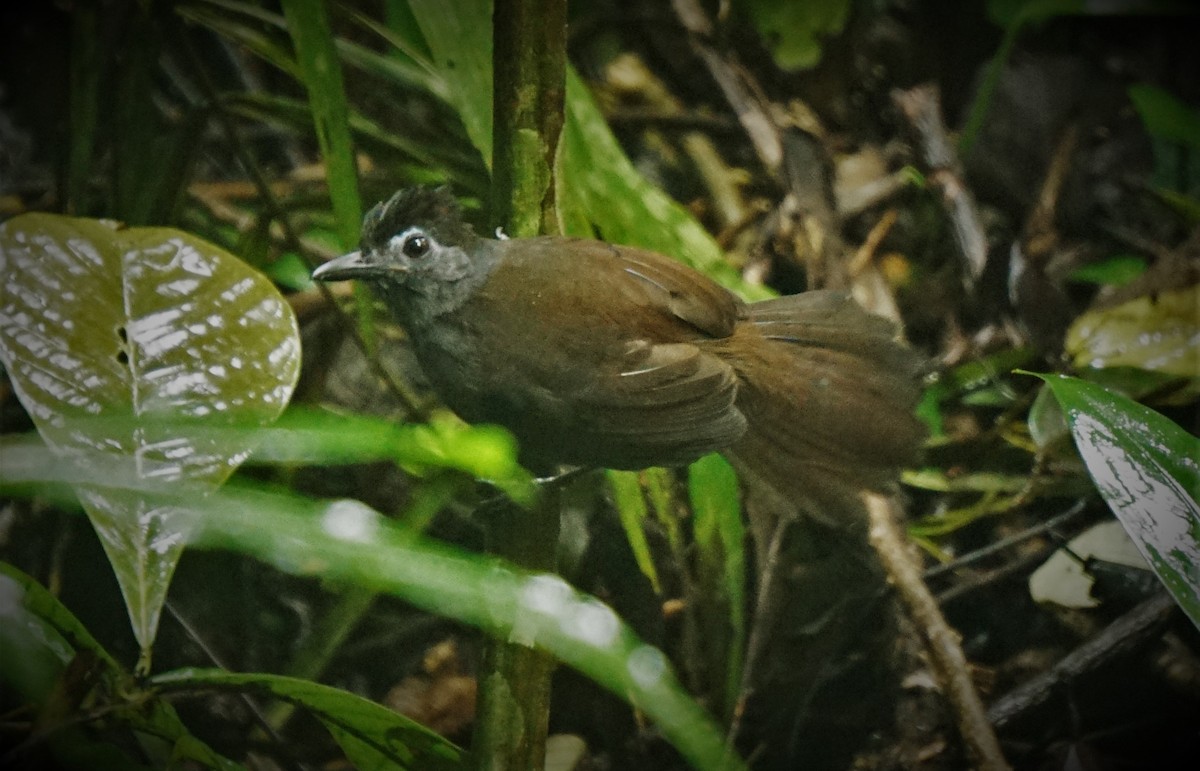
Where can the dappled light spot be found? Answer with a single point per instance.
(349, 520)
(646, 665)
(593, 622)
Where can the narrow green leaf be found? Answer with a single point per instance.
(1013, 13)
(1148, 470)
(240, 22)
(349, 542)
(223, 19)
(321, 69)
(720, 539)
(631, 508)
(316, 437)
(431, 162)
(372, 736)
(37, 631)
(153, 326)
(139, 136)
(1117, 270)
(404, 62)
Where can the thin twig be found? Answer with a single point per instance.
(260, 717)
(747, 101)
(922, 107)
(1127, 632)
(629, 73)
(1004, 543)
(941, 642)
(765, 611)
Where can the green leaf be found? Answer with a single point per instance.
(1148, 470)
(1115, 271)
(372, 736)
(631, 509)
(40, 640)
(459, 36)
(598, 187)
(317, 437)
(427, 150)
(348, 542)
(152, 326)
(321, 70)
(1158, 333)
(1014, 13)
(793, 31)
(290, 271)
(241, 23)
(1166, 116)
(720, 541)
(1047, 424)
(1012, 16)
(37, 631)
(980, 374)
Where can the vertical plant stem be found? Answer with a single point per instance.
(529, 79)
(529, 59)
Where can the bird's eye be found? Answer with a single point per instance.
(416, 246)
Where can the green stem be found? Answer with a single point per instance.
(529, 60)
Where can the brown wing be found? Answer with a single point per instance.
(607, 371)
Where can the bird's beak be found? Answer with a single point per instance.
(348, 266)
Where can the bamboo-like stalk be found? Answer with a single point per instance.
(529, 62)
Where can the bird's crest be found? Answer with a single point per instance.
(435, 210)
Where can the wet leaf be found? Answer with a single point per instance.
(1148, 470)
(347, 541)
(154, 328)
(1158, 333)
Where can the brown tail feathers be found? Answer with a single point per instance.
(850, 427)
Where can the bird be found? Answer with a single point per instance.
(602, 355)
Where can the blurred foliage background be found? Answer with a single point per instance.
(1017, 183)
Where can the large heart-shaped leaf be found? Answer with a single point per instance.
(1148, 470)
(115, 339)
